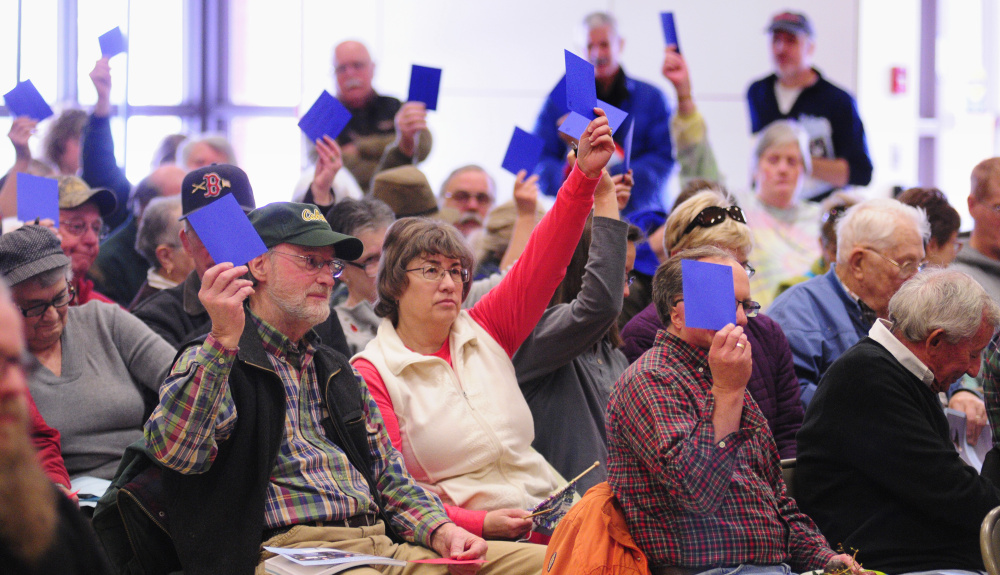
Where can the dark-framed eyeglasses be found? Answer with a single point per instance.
(60, 301)
(713, 216)
(749, 269)
(750, 307)
(77, 228)
(906, 269)
(629, 279)
(314, 264)
(435, 273)
(461, 196)
(369, 265)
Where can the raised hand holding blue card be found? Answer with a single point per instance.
(326, 117)
(37, 198)
(670, 30)
(226, 232)
(709, 296)
(112, 42)
(24, 100)
(523, 153)
(425, 83)
(615, 116)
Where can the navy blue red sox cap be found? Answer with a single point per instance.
(793, 22)
(205, 185)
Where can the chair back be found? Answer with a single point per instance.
(989, 542)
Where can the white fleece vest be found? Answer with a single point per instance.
(466, 431)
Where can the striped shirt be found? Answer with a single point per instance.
(312, 479)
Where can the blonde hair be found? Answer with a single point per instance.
(730, 234)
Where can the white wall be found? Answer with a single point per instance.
(889, 36)
(500, 59)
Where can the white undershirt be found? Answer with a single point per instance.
(880, 333)
(786, 97)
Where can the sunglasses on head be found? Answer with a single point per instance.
(713, 216)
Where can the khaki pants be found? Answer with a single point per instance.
(503, 556)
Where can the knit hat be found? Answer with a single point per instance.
(29, 251)
(205, 185)
(406, 190)
(74, 192)
(301, 225)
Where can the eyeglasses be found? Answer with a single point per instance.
(749, 269)
(462, 197)
(750, 307)
(906, 269)
(713, 216)
(353, 66)
(60, 301)
(629, 278)
(315, 265)
(77, 228)
(436, 273)
(369, 265)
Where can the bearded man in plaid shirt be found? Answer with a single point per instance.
(691, 458)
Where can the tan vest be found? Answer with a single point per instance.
(467, 431)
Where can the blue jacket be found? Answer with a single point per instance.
(821, 321)
(652, 152)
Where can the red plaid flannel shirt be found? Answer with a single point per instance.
(689, 501)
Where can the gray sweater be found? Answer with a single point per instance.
(112, 367)
(566, 368)
(982, 268)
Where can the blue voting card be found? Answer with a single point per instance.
(709, 297)
(574, 125)
(226, 232)
(627, 145)
(326, 117)
(24, 100)
(615, 116)
(112, 42)
(670, 30)
(37, 198)
(523, 153)
(581, 87)
(425, 83)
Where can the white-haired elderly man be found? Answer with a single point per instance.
(877, 469)
(880, 245)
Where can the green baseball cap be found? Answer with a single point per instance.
(301, 225)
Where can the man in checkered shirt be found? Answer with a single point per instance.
(691, 458)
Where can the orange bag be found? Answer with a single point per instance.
(593, 539)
